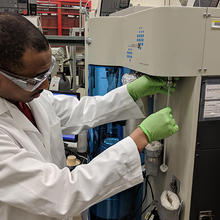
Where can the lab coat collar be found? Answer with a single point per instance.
(19, 118)
(3, 107)
(41, 119)
(23, 123)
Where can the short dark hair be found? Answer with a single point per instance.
(16, 35)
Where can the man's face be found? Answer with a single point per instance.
(34, 64)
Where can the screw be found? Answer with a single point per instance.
(89, 40)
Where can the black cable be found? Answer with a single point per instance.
(152, 194)
(146, 209)
(145, 195)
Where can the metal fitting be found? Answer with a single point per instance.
(169, 81)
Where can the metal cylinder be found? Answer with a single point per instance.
(82, 142)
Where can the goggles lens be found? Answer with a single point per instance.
(30, 84)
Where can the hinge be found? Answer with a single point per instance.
(206, 14)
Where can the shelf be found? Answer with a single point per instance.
(58, 18)
(66, 40)
(55, 13)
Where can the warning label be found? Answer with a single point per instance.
(212, 92)
(212, 101)
(212, 109)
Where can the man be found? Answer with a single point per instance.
(34, 183)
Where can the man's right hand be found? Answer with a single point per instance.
(159, 125)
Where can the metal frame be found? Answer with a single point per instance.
(66, 40)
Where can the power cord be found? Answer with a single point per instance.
(152, 194)
(146, 177)
(153, 213)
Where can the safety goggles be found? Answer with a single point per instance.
(29, 84)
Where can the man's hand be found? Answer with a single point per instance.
(146, 85)
(159, 125)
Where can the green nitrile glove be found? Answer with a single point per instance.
(159, 125)
(146, 85)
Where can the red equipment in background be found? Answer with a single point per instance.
(58, 16)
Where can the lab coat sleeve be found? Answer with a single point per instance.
(42, 188)
(92, 111)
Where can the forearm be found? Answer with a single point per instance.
(90, 112)
(139, 138)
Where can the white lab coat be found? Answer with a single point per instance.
(34, 182)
